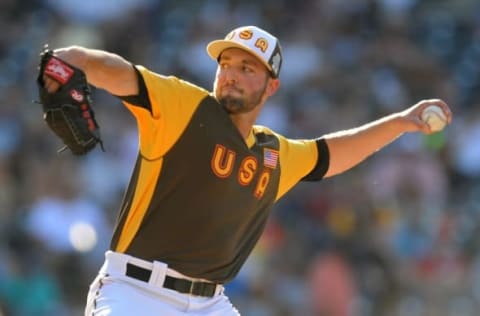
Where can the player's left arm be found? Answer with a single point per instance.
(301, 159)
(350, 147)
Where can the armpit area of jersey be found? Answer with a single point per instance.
(141, 99)
(323, 162)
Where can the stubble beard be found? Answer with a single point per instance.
(237, 105)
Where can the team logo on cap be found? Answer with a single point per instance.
(262, 44)
(246, 34)
(230, 35)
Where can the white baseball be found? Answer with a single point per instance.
(434, 116)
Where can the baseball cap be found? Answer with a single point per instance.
(254, 40)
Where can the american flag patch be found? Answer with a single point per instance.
(270, 158)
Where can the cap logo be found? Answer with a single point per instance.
(262, 44)
(230, 35)
(246, 34)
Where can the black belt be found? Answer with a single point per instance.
(180, 285)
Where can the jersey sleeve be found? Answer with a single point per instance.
(304, 159)
(171, 104)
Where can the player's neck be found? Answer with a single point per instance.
(244, 123)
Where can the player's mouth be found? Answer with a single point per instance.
(231, 90)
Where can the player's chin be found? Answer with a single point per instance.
(233, 105)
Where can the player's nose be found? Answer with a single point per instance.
(229, 76)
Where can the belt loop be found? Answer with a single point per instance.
(159, 272)
(115, 263)
(190, 291)
(220, 289)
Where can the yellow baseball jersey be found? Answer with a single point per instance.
(200, 194)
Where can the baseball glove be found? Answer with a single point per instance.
(68, 111)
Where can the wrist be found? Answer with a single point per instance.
(74, 55)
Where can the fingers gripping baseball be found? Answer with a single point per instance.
(429, 116)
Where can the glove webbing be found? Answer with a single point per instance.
(73, 128)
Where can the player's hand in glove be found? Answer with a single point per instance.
(67, 106)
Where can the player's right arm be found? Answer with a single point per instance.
(103, 69)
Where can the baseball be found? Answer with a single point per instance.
(434, 116)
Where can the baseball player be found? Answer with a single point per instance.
(206, 177)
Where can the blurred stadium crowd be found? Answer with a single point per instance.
(398, 235)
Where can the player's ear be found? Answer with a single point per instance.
(272, 86)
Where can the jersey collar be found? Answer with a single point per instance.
(250, 141)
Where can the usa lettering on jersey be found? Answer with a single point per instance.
(223, 162)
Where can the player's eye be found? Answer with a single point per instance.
(247, 69)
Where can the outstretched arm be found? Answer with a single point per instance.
(104, 70)
(350, 147)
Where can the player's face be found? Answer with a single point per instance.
(242, 81)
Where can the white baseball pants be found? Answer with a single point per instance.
(112, 293)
